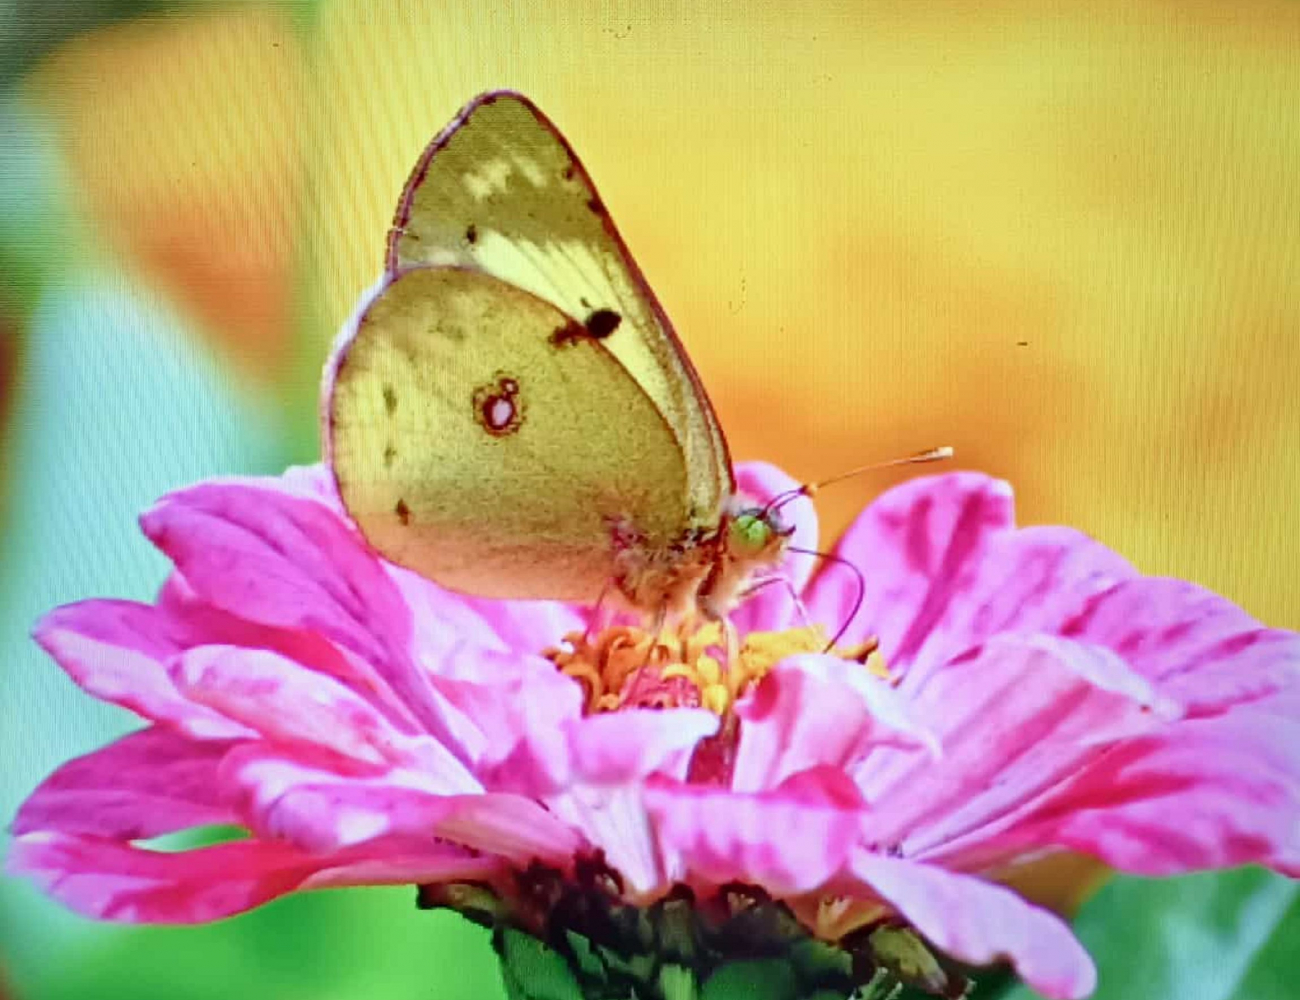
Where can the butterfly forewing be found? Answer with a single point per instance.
(500, 191)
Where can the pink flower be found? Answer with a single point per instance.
(365, 726)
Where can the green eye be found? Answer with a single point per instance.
(750, 533)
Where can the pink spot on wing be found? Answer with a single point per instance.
(498, 412)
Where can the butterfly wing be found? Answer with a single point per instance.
(501, 191)
(484, 439)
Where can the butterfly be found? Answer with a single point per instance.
(513, 415)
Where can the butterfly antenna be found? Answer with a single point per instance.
(810, 489)
(857, 600)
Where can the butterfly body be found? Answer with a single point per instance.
(512, 415)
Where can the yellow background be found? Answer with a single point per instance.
(1063, 238)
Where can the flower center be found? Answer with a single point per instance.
(624, 666)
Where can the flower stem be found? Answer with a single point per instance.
(677, 982)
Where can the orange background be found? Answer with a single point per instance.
(1062, 237)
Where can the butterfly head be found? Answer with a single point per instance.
(757, 535)
(753, 539)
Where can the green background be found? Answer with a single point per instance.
(1061, 237)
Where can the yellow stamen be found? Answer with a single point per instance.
(625, 665)
(869, 655)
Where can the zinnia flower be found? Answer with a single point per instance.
(645, 812)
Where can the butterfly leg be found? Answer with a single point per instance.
(732, 639)
(598, 618)
(656, 631)
(733, 672)
(712, 612)
(799, 605)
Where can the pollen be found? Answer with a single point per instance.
(688, 666)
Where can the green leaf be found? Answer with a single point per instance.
(531, 970)
(1213, 936)
(759, 979)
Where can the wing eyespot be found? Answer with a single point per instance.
(498, 406)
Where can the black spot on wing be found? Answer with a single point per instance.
(600, 324)
(402, 511)
(390, 453)
(390, 399)
(603, 322)
(568, 335)
(471, 234)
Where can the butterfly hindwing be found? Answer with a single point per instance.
(482, 438)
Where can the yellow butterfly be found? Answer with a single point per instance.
(514, 416)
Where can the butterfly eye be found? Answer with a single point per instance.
(750, 533)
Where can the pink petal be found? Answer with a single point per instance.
(321, 805)
(944, 570)
(814, 710)
(790, 840)
(912, 544)
(285, 561)
(201, 624)
(311, 481)
(115, 650)
(1204, 794)
(618, 748)
(1015, 717)
(403, 862)
(151, 782)
(114, 881)
(280, 560)
(772, 607)
(512, 700)
(442, 621)
(278, 699)
(527, 627)
(979, 922)
(604, 750)
(527, 719)
(1203, 650)
(614, 820)
(321, 802)
(1029, 580)
(511, 826)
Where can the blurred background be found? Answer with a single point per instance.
(1063, 238)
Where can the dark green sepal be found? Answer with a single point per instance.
(574, 938)
(532, 971)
